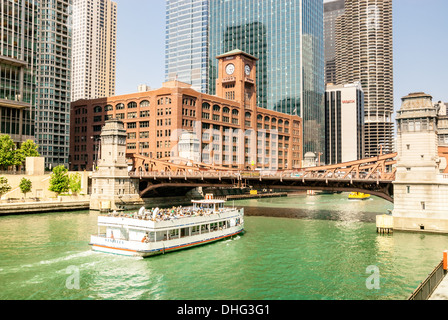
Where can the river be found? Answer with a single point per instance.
(298, 247)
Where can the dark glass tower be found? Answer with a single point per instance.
(287, 38)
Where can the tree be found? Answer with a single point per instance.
(27, 149)
(75, 183)
(59, 181)
(4, 186)
(25, 186)
(7, 152)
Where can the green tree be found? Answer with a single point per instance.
(27, 149)
(59, 181)
(4, 186)
(75, 183)
(7, 152)
(25, 186)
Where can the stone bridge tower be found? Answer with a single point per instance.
(420, 190)
(112, 188)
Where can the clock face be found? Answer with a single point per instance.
(230, 69)
(247, 69)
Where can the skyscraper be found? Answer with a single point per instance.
(18, 41)
(53, 85)
(344, 116)
(364, 53)
(332, 10)
(186, 42)
(94, 49)
(287, 38)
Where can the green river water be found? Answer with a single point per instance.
(300, 247)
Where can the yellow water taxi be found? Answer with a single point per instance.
(358, 196)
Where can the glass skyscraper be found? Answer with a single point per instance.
(186, 42)
(287, 38)
(54, 81)
(18, 41)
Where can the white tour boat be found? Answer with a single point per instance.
(158, 231)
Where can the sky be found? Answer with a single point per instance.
(420, 46)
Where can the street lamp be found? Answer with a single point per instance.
(97, 145)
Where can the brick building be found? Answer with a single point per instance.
(229, 129)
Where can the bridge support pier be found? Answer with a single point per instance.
(112, 188)
(420, 188)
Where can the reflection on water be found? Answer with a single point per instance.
(320, 207)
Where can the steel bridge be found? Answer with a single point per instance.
(372, 175)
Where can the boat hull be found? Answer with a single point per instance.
(132, 248)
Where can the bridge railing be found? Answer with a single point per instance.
(251, 174)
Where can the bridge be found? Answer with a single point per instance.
(415, 179)
(372, 175)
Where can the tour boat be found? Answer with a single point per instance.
(159, 231)
(358, 196)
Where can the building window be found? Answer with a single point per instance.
(144, 103)
(119, 106)
(97, 109)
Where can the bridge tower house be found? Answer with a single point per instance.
(112, 188)
(420, 190)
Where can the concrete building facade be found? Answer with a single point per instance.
(94, 49)
(232, 131)
(344, 118)
(364, 53)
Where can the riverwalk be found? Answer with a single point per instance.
(441, 292)
(44, 206)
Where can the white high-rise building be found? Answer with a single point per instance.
(94, 49)
(344, 117)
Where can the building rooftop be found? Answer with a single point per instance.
(235, 52)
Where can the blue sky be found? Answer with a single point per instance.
(420, 46)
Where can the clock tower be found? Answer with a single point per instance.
(236, 78)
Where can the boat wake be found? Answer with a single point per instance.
(66, 258)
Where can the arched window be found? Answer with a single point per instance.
(280, 122)
(132, 104)
(248, 115)
(266, 119)
(97, 109)
(205, 106)
(144, 103)
(235, 112)
(119, 106)
(108, 108)
(259, 117)
(216, 108)
(225, 110)
(274, 120)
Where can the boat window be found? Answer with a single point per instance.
(174, 233)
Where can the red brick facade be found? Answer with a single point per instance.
(231, 130)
